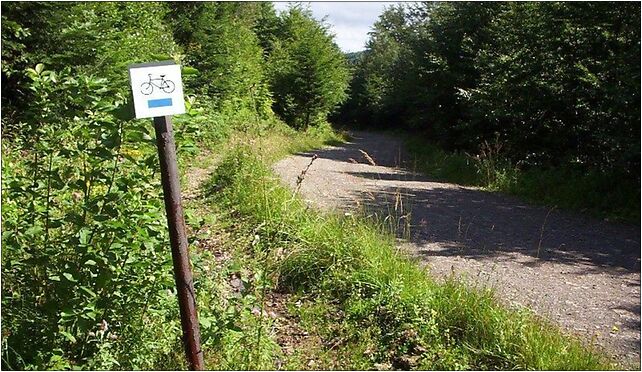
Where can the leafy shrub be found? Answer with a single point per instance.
(87, 272)
(75, 266)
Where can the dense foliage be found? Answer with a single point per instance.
(84, 260)
(220, 43)
(308, 72)
(542, 84)
(86, 271)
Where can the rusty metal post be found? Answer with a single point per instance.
(178, 239)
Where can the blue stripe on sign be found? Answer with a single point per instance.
(163, 102)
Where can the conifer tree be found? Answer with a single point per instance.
(308, 72)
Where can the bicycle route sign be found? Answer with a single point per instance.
(157, 89)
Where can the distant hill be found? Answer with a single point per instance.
(353, 57)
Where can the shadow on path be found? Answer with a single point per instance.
(579, 271)
(479, 224)
(476, 223)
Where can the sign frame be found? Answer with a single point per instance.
(157, 89)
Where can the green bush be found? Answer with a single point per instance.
(73, 259)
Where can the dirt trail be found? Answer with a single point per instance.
(580, 272)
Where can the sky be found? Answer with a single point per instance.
(349, 21)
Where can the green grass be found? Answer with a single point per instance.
(601, 195)
(436, 163)
(372, 307)
(233, 337)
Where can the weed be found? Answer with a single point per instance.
(541, 233)
(301, 177)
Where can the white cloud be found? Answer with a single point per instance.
(349, 21)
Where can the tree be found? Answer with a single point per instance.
(308, 72)
(221, 44)
(556, 83)
(93, 39)
(379, 71)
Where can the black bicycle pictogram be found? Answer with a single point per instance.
(161, 83)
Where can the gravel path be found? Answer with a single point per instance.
(580, 272)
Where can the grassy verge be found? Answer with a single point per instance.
(604, 196)
(369, 306)
(230, 271)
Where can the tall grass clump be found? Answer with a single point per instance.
(604, 195)
(411, 321)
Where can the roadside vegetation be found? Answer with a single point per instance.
(375, 308)
(543, 96)
(86, 267)
(572, 188)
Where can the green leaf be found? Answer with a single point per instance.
(205, 323)
(39, 68)
(31, 72)
(83, 235)
(68, 336)
(33, 231)
(187, 70)
(69, 277)
(88, 291)
(125, 112)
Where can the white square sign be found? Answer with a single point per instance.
(157, 88)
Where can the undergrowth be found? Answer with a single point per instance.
(362, 295)
(231, 266)
(608, 196)
(86, 265)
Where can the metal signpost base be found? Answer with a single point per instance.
(178, 239)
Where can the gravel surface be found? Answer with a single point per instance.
(580, 272)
